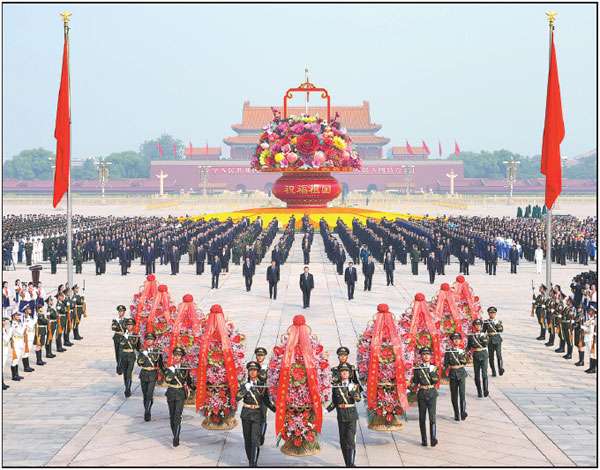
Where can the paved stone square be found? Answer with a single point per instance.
(72, 412)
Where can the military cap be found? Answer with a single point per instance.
(121, 307)
(344, 366)
(149, 336)
(260, 351)
(424, 351)
(252, 365)
(16, 312)
(342, 350)
(477, 321)
(130, 321)
(492, 310)
(455, 336)
(543, 286)
(179, 351)
(26, 307)
(75, 287)
(592, 308)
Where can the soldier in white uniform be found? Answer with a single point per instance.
(18, 344)
(591, 340)
(29, 323)
(6, 336)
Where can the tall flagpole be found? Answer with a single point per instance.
(306, 97)
(66, 18)
(551, 17)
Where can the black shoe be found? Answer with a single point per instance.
(493, 372)
(549, 343)
(253, 457)
(4, 386)
(479, 393)
(127, 393)
(500, 368)
(78, 338)
(580, 362)
(559, 350)
(16, 377)
(26, 367)
(147, 414)
(38, 355)
(176, 431)
(485, 388)
(119, 370)
(463, 410)
(351, 456)
(568, 356)
(432, 429)
(541, 337)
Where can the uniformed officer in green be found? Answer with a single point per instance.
(78, 306)
(478, 343)
(455, 360)
(129, 344)
(255, 398)
(151, 362)
(426, 376)
(62, 321)
(177, 378)
(345, 395)
(78, 260)
(539, 303)
(559, 306)
(119, 327)
(28, 251)
(52, 326)
(549, 305)
(568, 316)
(578, 334)
(41, 334)
(70, 311)
(342, 354)
(493, 327)
(261, 354)
(53, 255)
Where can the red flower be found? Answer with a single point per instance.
(298, 373)
(216, 418)
(319, 349)
(217, 356)
(389, 418)
(273, 390)
(307, 143)
(297, 432)
(389, 409)
(328, 141)
(379, 411)
(236, 339)
(362, 349)
(277, 350)
(310, 437)
(215, 411)
(270, 162)
(386, 353)
(363, 367)
(273, 365)
(398, 410)
(226, 411)
(306, 414)
(161, 325)
(205, 411)
(240, 355)
(407, 366)
(323, 365)
(132, 307)
(298, 441)
(284, 436)
(185, 341)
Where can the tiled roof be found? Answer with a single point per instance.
(357, 139)
(403, 151)
(201, 151)
(351, 117)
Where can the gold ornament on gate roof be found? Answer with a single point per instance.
(551, 16)
(66, 17)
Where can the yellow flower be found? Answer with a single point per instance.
(262, 160)
(312, 119)
(265, 153)
(278, 157)
(294, 140)
(339, 143)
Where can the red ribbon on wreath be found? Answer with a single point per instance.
(421, 310)
(299, 335)
(383, 321)
(161, 300)
(463, 292)
(186, 316)
(215, 327)
(446, 295)
(148, 291)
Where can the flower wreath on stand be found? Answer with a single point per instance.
(160, 322)
(299, 382)
(142, 304)
(384, 365)
(467, 305)
(185, 334)
(221, 370)
(447, 313)
(423, 332)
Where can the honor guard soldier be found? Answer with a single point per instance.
(426, 376)
(255, 396)
(578, 335)
(568, 317)
(129, 344)
(78, 304)
(119, 327)
(63, 315)
(6, 338)
(590, 329)
(559, 306)
(151, 362)
(70, 308)
(549, 305)
(18, 344)
(29, 323)
(539, 312)
(455, 360)
(344, 397)
(177, 378)
(478, 343)
(52, 325)
(41, 335)
(261, 354)
(493, 328)
(342, 353)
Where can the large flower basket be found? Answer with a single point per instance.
(299, 382)
(221, 370)
(384, 364)
(142, 303)
(186, 334)
(423, 330)
(306, 149)
(446, 312)
(467, 304)
(160, 322)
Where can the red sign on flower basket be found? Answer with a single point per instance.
(147, 293)
(423, 320)
(463, 293)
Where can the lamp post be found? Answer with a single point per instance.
(204, 176)
(102, 166)
(53, 160)
(408, 169)
(511, 173)
(452, 176)
(161, 176)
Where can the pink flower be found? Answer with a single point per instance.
(298, 128)
(286, 148)
(291, 157)
(264, 146)
(284, 163)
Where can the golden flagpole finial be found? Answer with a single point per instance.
(66, 17)
(551, 16)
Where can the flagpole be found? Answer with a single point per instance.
(306, 97)
(69, 196)
(549, 213)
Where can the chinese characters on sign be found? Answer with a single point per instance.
(307, 189)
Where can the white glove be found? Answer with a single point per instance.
(145, 353)
(431, 367)
(126, 335)
(172, 368)
(248, 386)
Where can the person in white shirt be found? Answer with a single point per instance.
(539, 258)
(591, 340)
(6, 337)
(18, 345)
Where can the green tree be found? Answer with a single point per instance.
(149, 148)
(127, 165)
(585, 168)
(87, 171)
(519, 212)
(29, 165)
(489, 164)
(528, 211)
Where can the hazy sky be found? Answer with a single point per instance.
(474, 73)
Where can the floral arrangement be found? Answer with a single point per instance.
(300, 429)
(142, 303)
(305, 142)
(388, 405)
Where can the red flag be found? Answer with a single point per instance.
(440, 148)
(62, 132)
(162, 154)
(456, 149)
(409, 149)
(191, 149)
(426, 148)
(174, 150)
(554, 133)
(207, 148)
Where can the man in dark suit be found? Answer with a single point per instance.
(350, 277)
(276, 255)
(340, 260)
(123, 259)
(215, 269)
(414, 260)
(273, 278)
(199, 256)
(368, 271)
(431, 266)
(148, 259)
(307, 284)
(174, 259)
(389, 266)
(248, 272)
(493, 260)
(513, 256)
(306, 251)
